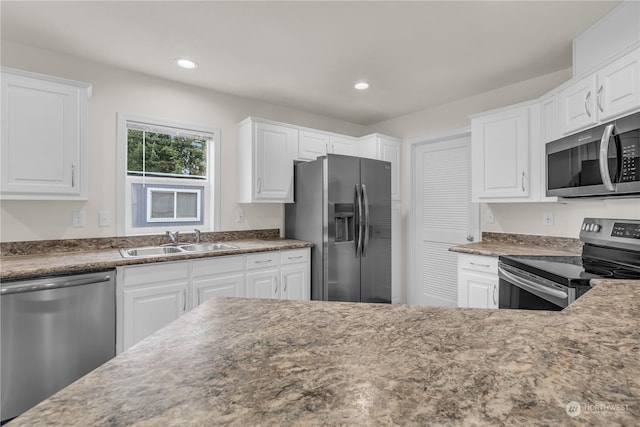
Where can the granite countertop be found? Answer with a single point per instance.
(91, 259)
(496, 244)
(268, 362)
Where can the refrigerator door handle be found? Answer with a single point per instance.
(358, 198)
(366, 220)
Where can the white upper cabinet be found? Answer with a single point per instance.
(619, 87)
(607, 94)
(312, 145)
(500, 155)
(343, 145)
(44, 137)
(266, 152)
(389, 149)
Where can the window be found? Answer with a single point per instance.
(170, 175)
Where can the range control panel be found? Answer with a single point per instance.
(626, 230)
(619, 233)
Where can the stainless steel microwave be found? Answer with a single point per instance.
(600, 162)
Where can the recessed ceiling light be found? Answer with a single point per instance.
(361, 85)
(186, 63)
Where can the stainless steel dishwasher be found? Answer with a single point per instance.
(54, 331)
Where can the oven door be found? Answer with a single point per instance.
(522, 290)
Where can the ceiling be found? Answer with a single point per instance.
(308, 55)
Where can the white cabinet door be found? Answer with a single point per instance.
(312, 145)
(382, 147)
(295, 282)
(391, 151)
(478, 281)
(344, 146)
(229, 285)
(500, 155)
(577, 106)
(479, 290)
(275, 148)
(219, 276)
(549, 119)
(619, 87)
(148, 309)
(43, 137)
(263, 284)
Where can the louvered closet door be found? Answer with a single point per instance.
(443, 217)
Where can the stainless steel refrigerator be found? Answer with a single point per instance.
(343, 206)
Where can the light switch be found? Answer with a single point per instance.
(104, 219)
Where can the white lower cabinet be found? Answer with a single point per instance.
(295, 274)
(151, 296)
(478, 281)
(218, 277)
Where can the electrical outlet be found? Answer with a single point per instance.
(78, 219)
(239, 215)
(490, 218)
(547, 218)
(104, 218)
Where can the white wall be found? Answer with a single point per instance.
(116, 90)
(520, 218)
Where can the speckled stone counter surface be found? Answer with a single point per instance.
(277, 363)
(32, 259)
(496, 244)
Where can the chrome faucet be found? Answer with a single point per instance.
(174, 237)
(197, 235)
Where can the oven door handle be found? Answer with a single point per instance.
(531, 285)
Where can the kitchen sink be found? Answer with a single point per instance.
(153, 251)
(206, 247)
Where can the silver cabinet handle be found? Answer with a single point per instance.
(333, 148)
(284, 289)
(73, 175)
(522, 181)
(604, 157)
(276, 292)
(295, 257)
(598, 98)
(586, 102)
(495, 288)
(198, 292)
(184, 299)
(265, 261)
(470, 238)
(480, 265)
(259, 186)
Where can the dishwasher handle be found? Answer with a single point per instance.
(53, 285)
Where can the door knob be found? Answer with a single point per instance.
(470, 238)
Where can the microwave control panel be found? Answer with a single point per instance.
(630, 162)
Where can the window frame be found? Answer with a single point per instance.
(175, 191)
(212, 184)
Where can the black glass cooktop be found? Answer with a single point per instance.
(571, 270)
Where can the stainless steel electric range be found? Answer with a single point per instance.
(611, 250)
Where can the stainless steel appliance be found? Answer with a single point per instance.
(54, 331)
(602, 161)
(611, 250)
(343, 206)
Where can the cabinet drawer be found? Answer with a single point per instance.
(487, 264)
(294, 256)
(155, 273)
(263, 260)
(218, 265)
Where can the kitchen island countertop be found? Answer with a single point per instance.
(266, 362)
